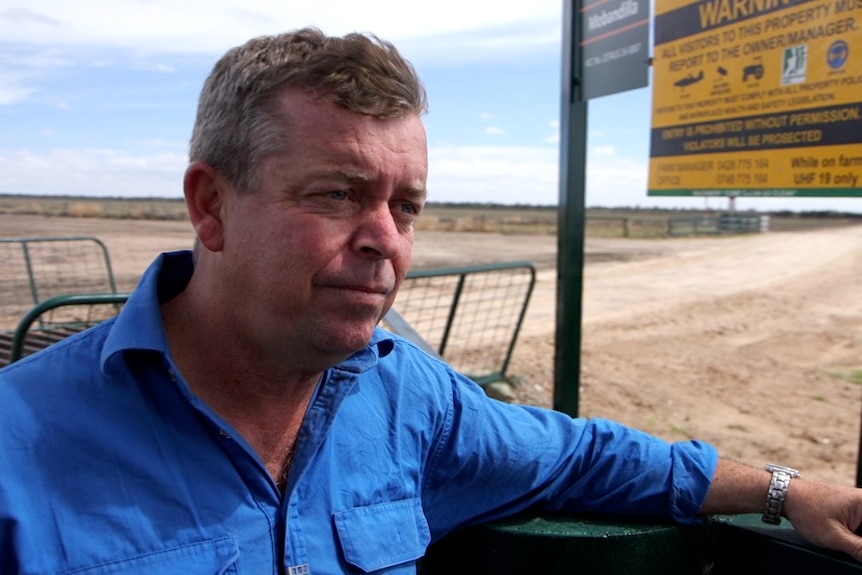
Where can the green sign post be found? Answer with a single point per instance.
(605, 47)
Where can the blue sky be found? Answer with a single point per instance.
(97, 97)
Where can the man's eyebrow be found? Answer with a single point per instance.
(419, 193)
(353, 176)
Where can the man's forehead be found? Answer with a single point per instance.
(292, 99)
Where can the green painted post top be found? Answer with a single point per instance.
(580, 526)
(551, 544)
(556, 544)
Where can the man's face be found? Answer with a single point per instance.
(314, 256)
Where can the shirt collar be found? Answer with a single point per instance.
(139, 325)
(381, 345)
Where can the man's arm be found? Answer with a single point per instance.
(823, 514)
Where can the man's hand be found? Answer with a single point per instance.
(826, 515)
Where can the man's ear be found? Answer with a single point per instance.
(204, 190)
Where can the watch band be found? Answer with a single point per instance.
(778, 485)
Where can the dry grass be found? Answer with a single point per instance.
(600, 222)
(117, 208)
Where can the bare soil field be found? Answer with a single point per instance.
(751, 342)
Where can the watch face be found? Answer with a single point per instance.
(788, 470)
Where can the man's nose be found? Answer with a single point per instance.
(378, 235)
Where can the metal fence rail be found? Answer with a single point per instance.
(50, 288)
(38, 268)
(720, 224)
(470, 315)
(55, 319)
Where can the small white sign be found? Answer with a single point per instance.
(794, 65)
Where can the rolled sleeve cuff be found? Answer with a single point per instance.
(694, 467)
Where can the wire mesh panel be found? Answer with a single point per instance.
(471, 315)
(33, 270)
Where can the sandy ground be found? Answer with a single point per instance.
(744, 341)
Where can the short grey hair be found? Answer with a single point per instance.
(236, 124)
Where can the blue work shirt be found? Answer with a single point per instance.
(110, 464)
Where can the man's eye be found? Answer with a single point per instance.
(339, 195)
(409, 208)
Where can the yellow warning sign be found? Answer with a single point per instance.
(757, 98)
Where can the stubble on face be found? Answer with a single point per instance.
(338, 210)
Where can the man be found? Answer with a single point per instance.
(244, 413)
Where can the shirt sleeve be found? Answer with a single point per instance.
(494, 459)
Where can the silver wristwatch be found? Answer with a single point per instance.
(781, 477)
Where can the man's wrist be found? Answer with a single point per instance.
(777, 492)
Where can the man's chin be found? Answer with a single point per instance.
(345, 342)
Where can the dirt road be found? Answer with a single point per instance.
(750, 342)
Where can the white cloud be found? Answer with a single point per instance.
(92, 172)
(605, 150)
(554, 136)
(525, 175)
(163, 68)
(496, 174)
(177, 26)
(24, 17)
(34, 58)
(491, 130)
(17, 70)
(12, 94)
(614, 181)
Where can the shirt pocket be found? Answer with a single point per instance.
(211, 557)
(383, 535)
